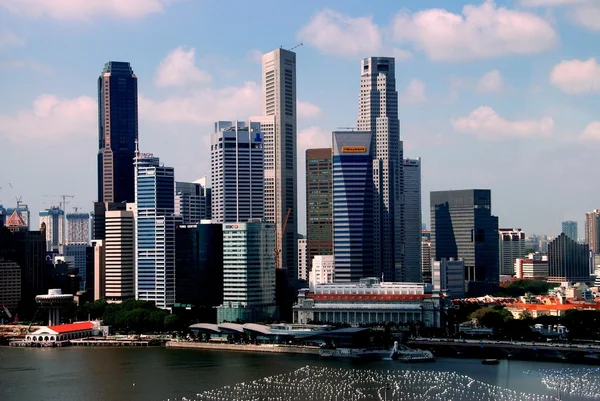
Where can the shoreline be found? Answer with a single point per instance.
(269, 348)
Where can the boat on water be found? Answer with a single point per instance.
(490, 362)
(399, 352)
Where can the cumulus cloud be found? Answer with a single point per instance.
(8, 39)
(480, 32)
(84, 10)
(591, 133)
(336, 33)
(588, 16)
(179, 69)
(577, 76)
(490, 82)
(307, 109)
(313, 137)
(414, 93)
(51, 119)
(486, 124)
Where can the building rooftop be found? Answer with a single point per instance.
(68, 328)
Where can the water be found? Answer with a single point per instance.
(148, 374)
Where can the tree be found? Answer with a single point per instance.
(526, 315)
(172, 323)
(491, 317)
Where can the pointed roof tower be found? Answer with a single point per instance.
(15, 222)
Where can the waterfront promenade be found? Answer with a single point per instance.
(270, 348)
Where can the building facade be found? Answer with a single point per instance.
(78, 251)
(117, 132)
(155, 223)
(302, 259)
(237, 171)
(511, 247)
(319, 202)
(353, 226)
(248, 272)
(118, 250)
(322, 272)
(192, 201)
(280, 138)
(568, 261)
(448, 276)
(99, 256)
(592, 231)
(23, 211)
(54, 221)
(378, 115)
(78, 228)
(532, 268)
(10, 284)
(426, 256)
(462, 226)
(569, 228)
(412, 220)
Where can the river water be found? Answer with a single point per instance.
(149, 374)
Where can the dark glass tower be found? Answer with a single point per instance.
(117, 132)
(568, 261)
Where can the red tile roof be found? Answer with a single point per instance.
(67, 328)
(15, 220)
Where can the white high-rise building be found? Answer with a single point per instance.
(592, 231)
(512, 247)
(322, 272)
(278, 122)
(119, 255)
(378, 114)
(78, 228)
(54, 221)
(426, 256)
(412, 220)
(237, 172)
(192, 201)
(302, 259)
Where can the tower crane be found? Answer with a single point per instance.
(279, 240)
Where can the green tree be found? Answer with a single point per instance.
(491, 317)
(172, 323)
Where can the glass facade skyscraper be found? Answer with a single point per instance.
(352, 206)
(155, 222)
(568, 261)
(117, 132)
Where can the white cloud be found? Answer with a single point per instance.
(414, 92)
(8, 39)
(577, 76)
(490, 82)
(482, 31)
(313, 137)
(179, 69)
(486, 124)
(336, 33)
(85, 10)
(204, 106)
(307, 109)
(591, 133)
(588, 16)
(51, 119)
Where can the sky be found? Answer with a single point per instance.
(502, 95)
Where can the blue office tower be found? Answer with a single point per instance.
(353, 206)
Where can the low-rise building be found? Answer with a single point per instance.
(369, 301)
(50, 335)
(534, 267)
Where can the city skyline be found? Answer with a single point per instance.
(545, 114)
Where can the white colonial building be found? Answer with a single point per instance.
(51, 335)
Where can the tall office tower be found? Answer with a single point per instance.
(99, 256)
(78, 251)
(117, 132)
(78, 228)
(98, 222)
(280, 131)
(413, 225)
(568, 261)
(199, 267)
(248, 273)
(353, 239)
(155, 223)
(378, 114)
(319, 203)
(511, 247)
(192, 201)
(462, 226)
(119, 254)
(54, 221)
(426, 256)
(10, 284)
(23, 211)
(237, 171)
(302, 258)
(592, 231)
(569, 228)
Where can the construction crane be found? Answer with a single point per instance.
(280, 239)
(64, 200)
(298, 45)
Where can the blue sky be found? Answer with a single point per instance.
(502, 95)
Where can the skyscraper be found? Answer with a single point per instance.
(426, 256)
(54, 221)
(78, 228)
(512, 247)
(237, 171)
(569, 228)
(192, 201)
(412, 220)
(155, 223)
(378, 114)
(279, 126)
(592, 230)
(568, 261)
(319, 203)
(353, 206)
(119, 255)
(462, 226)
(117, 132)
